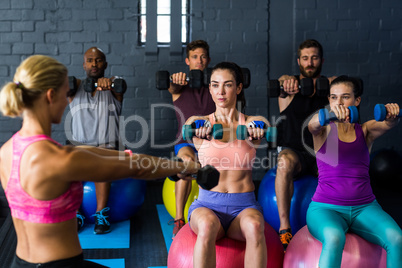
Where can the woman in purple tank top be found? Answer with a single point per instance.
(344, 201)
(41, 178)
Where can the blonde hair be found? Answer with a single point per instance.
(33, 77)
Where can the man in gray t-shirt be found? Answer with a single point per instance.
(95, 121)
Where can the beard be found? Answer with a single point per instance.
(313, 73)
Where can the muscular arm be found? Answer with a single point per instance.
(96, 164)
(105, 83)
(288, 82)
(176, 86)
(318, 132)
(373, 129)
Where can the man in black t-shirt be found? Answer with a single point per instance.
(293, 159)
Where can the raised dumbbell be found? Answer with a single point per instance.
(246, 77)
(322, 86)
(324, 116)
(306, 87)
(207, 177)
(188, 131)
(119, 85)
(380, 112)
(73, 85)
(195, 79)
(270, 133)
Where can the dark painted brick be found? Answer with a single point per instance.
(10, 15)
(33, 15)
(306, 4)
(216, 4)
(48, 49)
(80, 14)
(70, 26)
(83, 37)
(21, 4)
(104, 14)
(22, 48)
(25, 26)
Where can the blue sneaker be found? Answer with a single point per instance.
(102, 225)
(80, 221)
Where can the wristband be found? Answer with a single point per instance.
(130, 153)
(257, 124)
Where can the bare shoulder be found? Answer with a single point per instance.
(47, 157)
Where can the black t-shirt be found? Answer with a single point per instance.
(294, 121)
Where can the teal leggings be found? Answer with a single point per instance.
(329, 224)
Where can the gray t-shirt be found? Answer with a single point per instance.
(95, 120)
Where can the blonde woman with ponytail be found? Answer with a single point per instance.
(42, 179)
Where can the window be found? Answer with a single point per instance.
(163, 14)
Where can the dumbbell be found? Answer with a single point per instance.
(380, 112)
(246, 77)
(306, 87)
(195, 79)
(322, 86)
(188, 131)
(207, 177)
(270, 134)
(119, 85)
(73, 85)
(324, 117)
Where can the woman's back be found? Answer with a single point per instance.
(42, 213)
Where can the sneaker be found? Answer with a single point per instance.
(102, 225)
(178, 224)
(80, 221)
(285, 235)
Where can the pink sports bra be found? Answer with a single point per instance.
(234, 155)
(25, 207)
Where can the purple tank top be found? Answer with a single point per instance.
(343, 169)
(192, 102)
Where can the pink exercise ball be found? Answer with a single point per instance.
(229, 252)
(304, 252)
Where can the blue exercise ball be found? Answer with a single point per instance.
(385, 169)
(304, 188)
(125, 199)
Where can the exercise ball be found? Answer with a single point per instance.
(229, 252)
(125, 199)
(304, 188)
(169, 198)
(304, 252)
(385, 169)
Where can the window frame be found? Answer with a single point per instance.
(185, 18)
